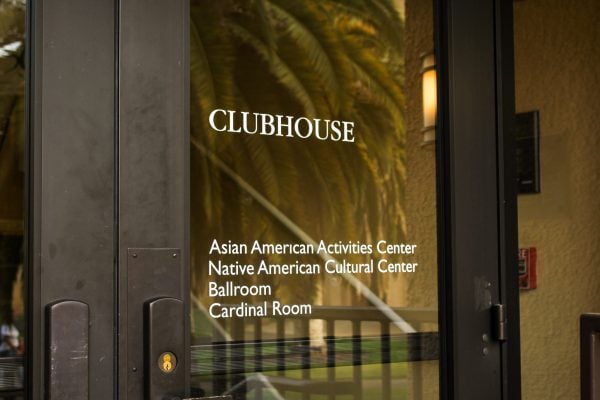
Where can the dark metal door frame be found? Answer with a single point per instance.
(477, 219)
(153, 169)
(108, 172)
(71, 170)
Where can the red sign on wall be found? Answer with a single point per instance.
(527, 268)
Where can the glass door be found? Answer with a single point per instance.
(257, 200)
(313, 269)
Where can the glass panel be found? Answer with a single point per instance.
(314, 271)
(557, 65)
(12, 92)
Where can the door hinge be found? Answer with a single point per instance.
(499, 321)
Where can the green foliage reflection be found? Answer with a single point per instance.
(330, 59)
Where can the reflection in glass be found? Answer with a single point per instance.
(351, 333)
(12, 19)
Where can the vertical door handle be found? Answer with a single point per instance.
(67, 350)
(165, 355)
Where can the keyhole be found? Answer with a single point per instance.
(167, 362)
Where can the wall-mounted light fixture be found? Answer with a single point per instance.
(429, 84)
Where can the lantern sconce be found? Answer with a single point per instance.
(429, 86)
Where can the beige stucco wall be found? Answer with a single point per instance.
(557, 50)
(420, 169)
(558, 73)
(421, 288)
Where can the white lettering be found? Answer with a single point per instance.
(281, 125)
(211, 120)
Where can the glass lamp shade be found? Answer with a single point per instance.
(429, 86)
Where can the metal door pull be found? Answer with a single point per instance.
(165, 351)
(68, 350)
